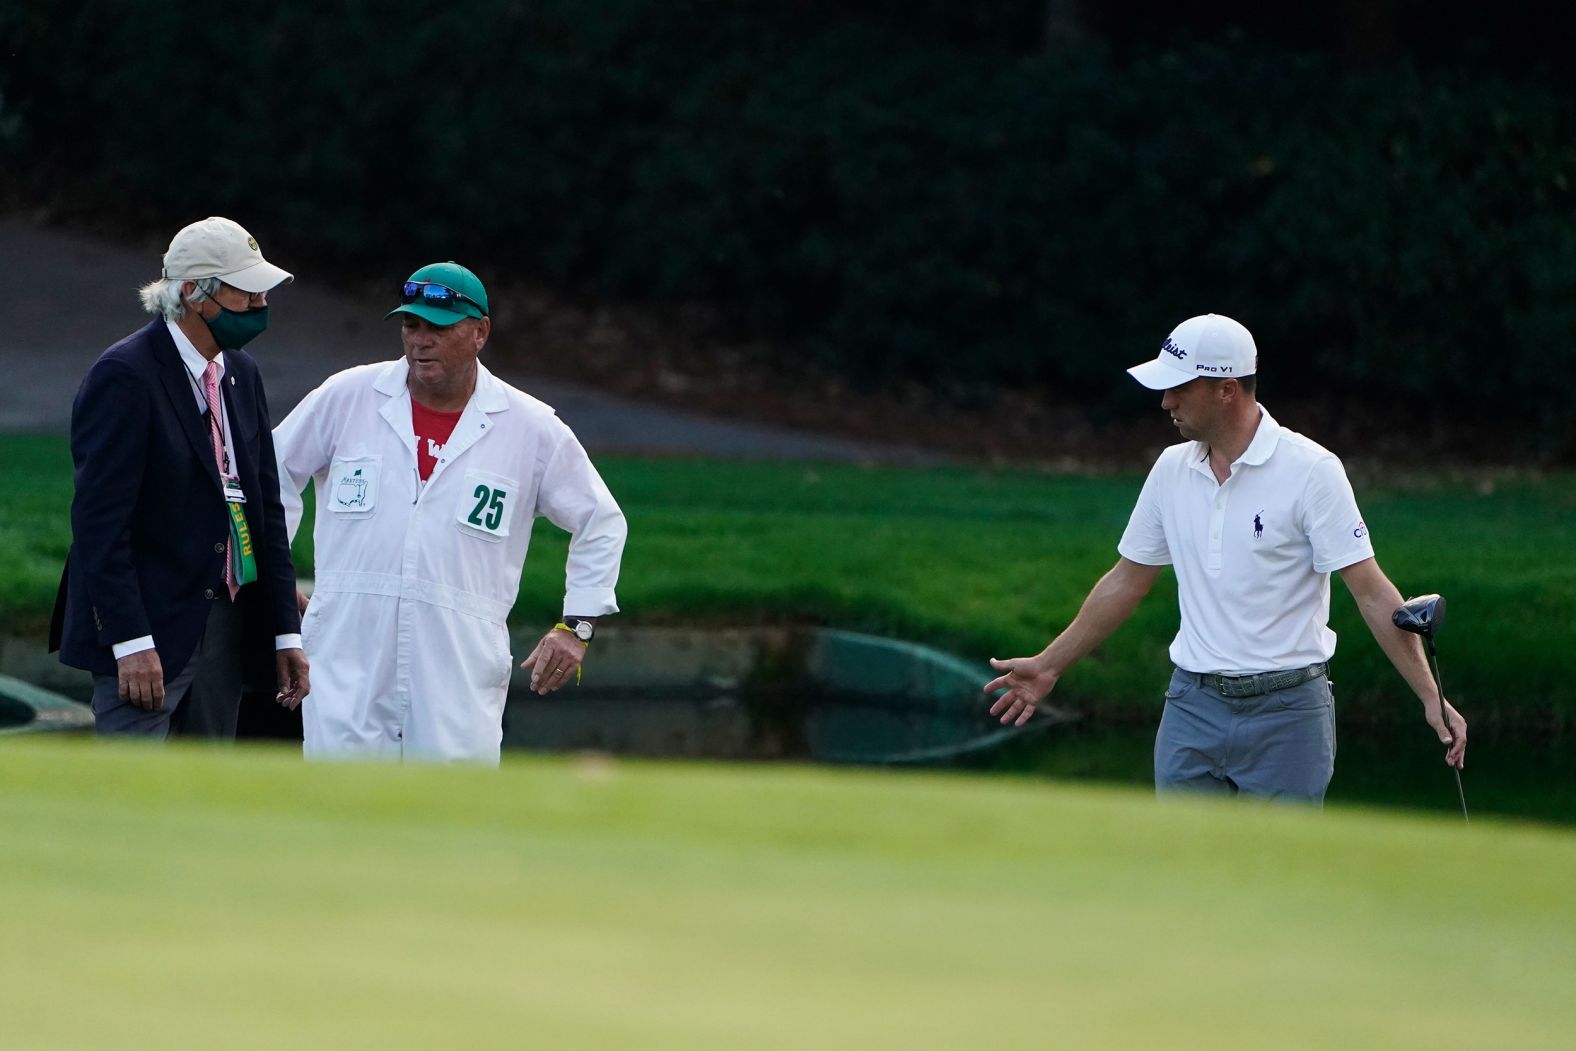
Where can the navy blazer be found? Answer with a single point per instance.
(148, 519)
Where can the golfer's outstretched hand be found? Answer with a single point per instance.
(1027, 683)
(555, 660)
(1454, 735)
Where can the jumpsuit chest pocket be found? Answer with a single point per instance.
(486, 504)
(352, 487)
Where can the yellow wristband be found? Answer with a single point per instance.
(561, 626)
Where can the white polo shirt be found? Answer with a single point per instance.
(1253, 557)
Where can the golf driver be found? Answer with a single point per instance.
(1422, 616)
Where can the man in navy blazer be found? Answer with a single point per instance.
(179, 572)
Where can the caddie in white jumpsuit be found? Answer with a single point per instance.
(429, 472)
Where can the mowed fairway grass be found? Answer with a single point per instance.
(991, 563)
(242, 899)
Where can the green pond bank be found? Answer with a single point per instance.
(983, 562)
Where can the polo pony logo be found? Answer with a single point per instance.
(1258, 526)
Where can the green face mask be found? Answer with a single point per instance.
(233, 330)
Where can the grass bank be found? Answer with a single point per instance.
(176, 897)
(987, 562)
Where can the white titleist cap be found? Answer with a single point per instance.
(1210, 345)
(220, 248)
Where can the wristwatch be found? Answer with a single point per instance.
(583, 629)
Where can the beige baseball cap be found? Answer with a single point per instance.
(222, 248)
(1211, 345)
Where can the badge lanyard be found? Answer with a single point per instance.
(243, 562)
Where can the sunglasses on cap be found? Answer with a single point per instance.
(435, 295)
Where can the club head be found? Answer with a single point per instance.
(1421, 615)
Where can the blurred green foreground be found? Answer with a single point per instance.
(241, 899)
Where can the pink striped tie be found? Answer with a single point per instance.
(210, 386)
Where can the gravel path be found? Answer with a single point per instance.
(79, 296)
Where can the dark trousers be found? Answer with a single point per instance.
(203, 700)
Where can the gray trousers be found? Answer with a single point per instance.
(1279, 745)
(203, 700)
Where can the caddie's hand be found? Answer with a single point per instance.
(1026, 683)
(556, 658)
(301, 601)
(1454, 735)
(294, 678)
(141, 677)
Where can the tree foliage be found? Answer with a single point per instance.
(896, 190)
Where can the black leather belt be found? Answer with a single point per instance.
(1263, 682)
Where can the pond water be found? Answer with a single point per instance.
(1516, 775)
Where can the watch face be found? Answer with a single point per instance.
(583, 630)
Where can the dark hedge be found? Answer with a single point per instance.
(898, 191)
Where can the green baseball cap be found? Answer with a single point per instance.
(465, 295)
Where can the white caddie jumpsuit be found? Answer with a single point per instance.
(406, 628)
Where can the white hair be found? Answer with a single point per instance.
(163, 296)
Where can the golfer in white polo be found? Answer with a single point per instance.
(1254, 518)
